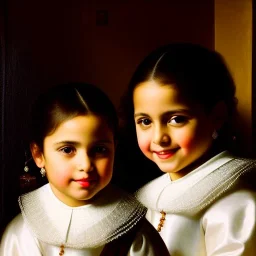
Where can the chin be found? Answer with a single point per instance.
(165, 170)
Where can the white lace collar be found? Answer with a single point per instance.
(111, 215)
(194, 191)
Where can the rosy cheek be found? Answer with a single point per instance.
(61, 178)
(144, 145)
(186, 142)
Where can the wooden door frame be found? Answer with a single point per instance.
(254, 78)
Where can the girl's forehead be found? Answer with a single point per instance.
(81, 129)
(152, 95)
(82, 123)
(155, 91)
(156, 85)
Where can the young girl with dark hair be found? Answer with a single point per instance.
(73, 136)
(180, 107)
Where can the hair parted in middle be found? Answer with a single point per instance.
(66, 101)
(198, 73)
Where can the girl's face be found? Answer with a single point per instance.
(78, 158)
(170, 131)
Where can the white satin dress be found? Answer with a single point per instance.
(209, 212)
(45, 223)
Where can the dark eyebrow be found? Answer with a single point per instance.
(141, 114)
(104, 141)
(74, 143)
(167, 113)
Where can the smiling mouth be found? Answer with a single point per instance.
(165, 154)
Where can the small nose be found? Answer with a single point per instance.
(161, 136)
(85, 163)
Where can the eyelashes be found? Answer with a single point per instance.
(68, 150)
(178, 120)
(175, 120)
(144, 121)
(94, 151)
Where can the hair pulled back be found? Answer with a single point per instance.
(66, 101)
(198, 73)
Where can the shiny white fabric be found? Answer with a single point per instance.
(19, 241)
(23, 236)
(194, 227)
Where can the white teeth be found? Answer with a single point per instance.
(162, 152)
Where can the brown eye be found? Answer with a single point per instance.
(178, 120)
(100, 151)
(67, 150)
(144, 121)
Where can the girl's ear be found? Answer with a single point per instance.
(220, 114)
(37, 155)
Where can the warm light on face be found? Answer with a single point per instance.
(78, 158)
(170, 132)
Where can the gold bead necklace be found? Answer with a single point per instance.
(162, 220)
(62, 250)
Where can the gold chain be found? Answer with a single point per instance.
(162, 220)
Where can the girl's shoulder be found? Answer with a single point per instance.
(17, 237)
(236, 200)
(16, 225)
(239, 173)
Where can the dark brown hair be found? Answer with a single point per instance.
(64, 102)
(200, 75)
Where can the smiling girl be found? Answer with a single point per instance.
(73, 136)
(180, 103)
